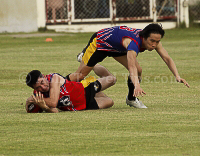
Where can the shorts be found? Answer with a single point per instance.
(92, 56)
(90, 92)
(87, 81)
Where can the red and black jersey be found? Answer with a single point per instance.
(72, 95)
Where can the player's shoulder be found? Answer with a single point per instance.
(54, 75)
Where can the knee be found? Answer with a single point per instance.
(111, 103)
(111, 79)
(114, 80)
(105, 102)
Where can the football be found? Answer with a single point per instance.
(33, 108)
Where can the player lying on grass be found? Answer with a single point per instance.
(53, 92)
(124, 44)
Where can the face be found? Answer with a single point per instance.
(152, 41)
(42, 85)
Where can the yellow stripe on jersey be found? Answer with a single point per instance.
(89, 51)
(88, 80)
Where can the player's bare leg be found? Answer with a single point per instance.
(81, 73)
(103, 101)
(107, 82)
(101, 71)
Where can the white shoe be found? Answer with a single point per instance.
(136, 103)
(79, 56)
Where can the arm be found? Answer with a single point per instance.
(139, 69)
(39, 100)
(170, 63)
(132, 67)
(54, 93)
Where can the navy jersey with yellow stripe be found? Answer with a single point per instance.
(110, 39)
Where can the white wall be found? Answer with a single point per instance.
(18, 16)
(41, 14)
(96, 27)
(184, 12)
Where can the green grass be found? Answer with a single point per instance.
(170, 125)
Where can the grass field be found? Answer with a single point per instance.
(170, 125)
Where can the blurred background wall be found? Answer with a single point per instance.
(18, 16)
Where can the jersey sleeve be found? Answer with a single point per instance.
(133, 46)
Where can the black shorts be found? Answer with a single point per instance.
(92, 56)
(90, 92)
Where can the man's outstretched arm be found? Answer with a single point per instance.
(170, 63)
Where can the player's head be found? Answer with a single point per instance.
(152, 35)
(152, 29)
(36, 80)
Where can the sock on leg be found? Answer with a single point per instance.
(131, 88)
